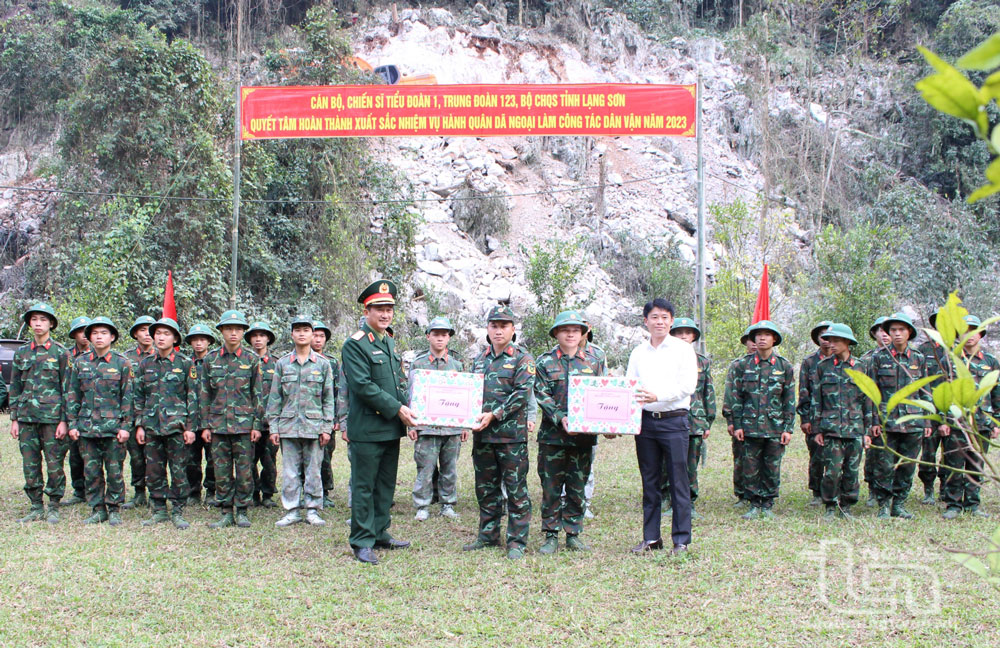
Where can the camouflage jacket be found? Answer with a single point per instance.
(807, 381)
(38, 378)
(230, 395)
(508, 379)
(891, 371)
(937, 360)
(343, 400)
(729, 393)
(165, 394)
(338, 382)
(447, 362)
(99, 395)
(553, 371)
(373, 373)
(702, 412)
(979, 365)
(302, 403)
(74, 352)
(763, 396)
(837, 407)
(599, 356)
(267, 372)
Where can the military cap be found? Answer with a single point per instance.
(78, 323)
(745, 336)
(142, 320)
(817, 331)
(301, 321)
(568, 318)
(686, 323)
(974, 323)
(382, 291)
(840, 331)
(500, 313)
(440, 323)
(232, 317)
(900, 318)
(101, 321)
(320, 326)
(765, 325)
(199, 329)
(168, 323)
(44, 309)
(932, 318)
(260, 326)
(876, 325)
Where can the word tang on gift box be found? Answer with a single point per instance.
(604, 405)
(446, 398)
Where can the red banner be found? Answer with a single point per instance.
(467, 110)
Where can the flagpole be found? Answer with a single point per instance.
(236, 195)
(700, 276)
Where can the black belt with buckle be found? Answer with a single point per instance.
(662, 415)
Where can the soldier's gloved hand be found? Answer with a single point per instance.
(254, 436)
(483, 421)
(275, 439)
(74, 434)
(61, 430)
(206, 435)
(122, 436)
(324, 438)
(944, 430)
(406, 416)
(786, 438)
(140, 435)
(738, 434)
(188, 437)
(14, 430)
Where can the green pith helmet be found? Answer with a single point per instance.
(78, 323)
(877, 324)
(301, 320)
(44, 309)
(101, 321)
(168, 323)
(932, 318)
(382, 291)
(817, 331)
(260, 326)
(686, 323)
(232, 317)
(840, 331)
(320, 326)
(199, 329)
(568, 318)
(974, 323)
(765, 325)
(901, 318)
(745, 336)
(500, 313)
(440, 323)
(142, 320)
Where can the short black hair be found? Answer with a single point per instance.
(659, 302)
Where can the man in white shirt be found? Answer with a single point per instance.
(667, 369)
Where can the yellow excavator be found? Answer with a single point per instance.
(390, 73)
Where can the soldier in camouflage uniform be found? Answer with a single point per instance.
(231, 418)
(841, 415)
(931, 467)
(806, 385)
(742, 496)
(601, 357)
(763, 416)
(892, 369)
(37, 412)
(881, 338)
(77, 333)
(436, 447)
(701, 414)
(961, 490)
(500, 442)
(136, 452)
(321, 335)
(166, 415)
(564, 457)
(301, 410)
(260, 337)
(99, 410)
(200, 338)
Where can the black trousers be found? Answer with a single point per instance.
(663, 443)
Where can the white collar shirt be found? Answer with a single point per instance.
(669, 370)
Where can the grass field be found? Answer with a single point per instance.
(794, 581)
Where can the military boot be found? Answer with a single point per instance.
(53, 517)
(884, 511)
(327, 501)
(242, 520)
(871, 501)
(752, 514)
(194, 499)
(550, 546)
(76, 498)
(515, 552)
(98, 516)
(845, 513)
(951, 513)
(114, 518)
(831, 512)
(267, 502)
(138, 500)
(899, 511)
(476, 545)
(928, 495)
(816, 501)
(767, 514)
(177, 517)
(225, 521)
(574, 543)
(159, 517)
(976, 512)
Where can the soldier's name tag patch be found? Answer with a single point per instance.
(112, 370)
(176, 370)
(587, 370)
(315, 373)
(914, 367)
(50, 360)
(244, 366)
(508, 366)
(779, 373)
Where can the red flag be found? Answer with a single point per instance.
(762, 310)
(169, 309)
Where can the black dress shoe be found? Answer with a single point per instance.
(678, 548)
(647, 545)
(392, 543)
(366, 555)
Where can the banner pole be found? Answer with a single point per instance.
(236, 199)
(701, 218)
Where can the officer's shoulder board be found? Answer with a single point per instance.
(358, 335)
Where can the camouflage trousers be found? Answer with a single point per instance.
(563, 469)
(840, 459)
(163, 453)
(696, 444)
(265, 479)
(194, 472)
(436, 452)
(102, 466)
(928, 452)
(815, 464)
(136, 461)
(738, 490)
(76, 469)
(961, 490)
(38, 444)
(232, 455)
(871, 458)
(326, 467)
(762, 469)
(892, 477)
(495, 464)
